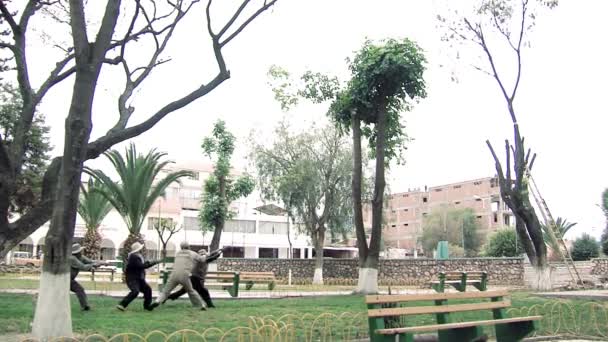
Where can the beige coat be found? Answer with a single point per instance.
(182, 269)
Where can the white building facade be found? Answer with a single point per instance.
(248, 234)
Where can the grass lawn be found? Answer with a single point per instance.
(16, 312)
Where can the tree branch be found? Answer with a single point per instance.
(234, 17)
(518, 49)
(79, 32)
(266, 6)
(9, 18)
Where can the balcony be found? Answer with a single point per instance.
(190, 203)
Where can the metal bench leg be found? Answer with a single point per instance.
(512, 332)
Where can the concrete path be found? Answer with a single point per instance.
(582, 294)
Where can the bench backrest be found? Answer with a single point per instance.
(257, 275)
(439, 307)
(474, 275)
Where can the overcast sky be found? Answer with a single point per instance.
(560, 104)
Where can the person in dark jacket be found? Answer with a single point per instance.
(199, 271)
(79, 262)
(136, 278)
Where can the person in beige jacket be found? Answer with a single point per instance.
(182, 270)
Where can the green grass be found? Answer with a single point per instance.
(16, 313)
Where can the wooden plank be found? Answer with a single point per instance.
(380, 299)
(226, 277)
(257, 276)
(259, 273)
(221, 272)
(436, 327)
(420, 310)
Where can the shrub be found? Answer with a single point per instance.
(585, 248)
(503, 243)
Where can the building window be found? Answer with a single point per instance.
(477, 183)
(457, 202)
(406, 224)
(405, 209)
(438, 190)
(479, 216)
(493, 182)
(233, 252)
(276, 228)
(457, 186)
(239, 226)
(495, 217)
(393, 225)
(153, 221)
(191, 223)
(506, 220)
(424, 199)
(478, 199)
(424, 214)
(406, 195)
(269, 253)
(194, 175)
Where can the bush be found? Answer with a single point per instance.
(503, 243)
(585, 248)
(605, 241)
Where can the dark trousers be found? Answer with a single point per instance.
(136, 286)
(80, 294)
(199, 286)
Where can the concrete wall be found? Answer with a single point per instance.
(501, 271)
(600, 266)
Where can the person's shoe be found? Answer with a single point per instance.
(120, 307)
(86, 308)
(152, 306)
(210, 305)
(203, 308)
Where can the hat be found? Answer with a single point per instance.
(136, 247)
(202, 252)
(184, 245)
(77, 248)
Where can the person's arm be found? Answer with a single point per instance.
(135, 262)
(148, 264)
(75, 263)
(214, 255)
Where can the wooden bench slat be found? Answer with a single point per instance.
(380, 299)
(437, 327)
(469, 281)
(259, 273)
(419, 310)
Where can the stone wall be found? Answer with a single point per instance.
(600, 266)
(501, 271)
(19, 269)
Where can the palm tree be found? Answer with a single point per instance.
(138, 187)
(562, 226)
(93, 208)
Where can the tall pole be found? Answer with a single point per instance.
(463, 249)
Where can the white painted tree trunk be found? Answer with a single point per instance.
(318, 277)
(368, 281)
(53, 316)
(543, 278)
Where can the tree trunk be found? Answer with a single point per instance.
(52, 318)
(319, 243)
(217, 232)
(356, 189)
(92, 243)
(368, 272)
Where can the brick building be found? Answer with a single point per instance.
(404, 212)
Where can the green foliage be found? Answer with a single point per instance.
(310, 173)
(503, 243)
(385, 77)
(37, 149)
(585, 248)
(313, 86)
(449, 224)
(93, 207)
(219, 189)
(562, 226)
(139, 185)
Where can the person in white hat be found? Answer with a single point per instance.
(79, 262)
(199, 271)
(182, 270)
(135, 273)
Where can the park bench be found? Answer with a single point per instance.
(101, 271)
(460, 280)
(227, 280)
(251, 278)
(388, 320)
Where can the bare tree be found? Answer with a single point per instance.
(83, 61)
(501, 27)
(165, 228)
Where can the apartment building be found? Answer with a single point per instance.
(257, 230)
(404, 212)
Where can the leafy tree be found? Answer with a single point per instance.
(562, 226)
(457, 226)
(604, 206)
(492, 26)
(93, 207)
(138, 188)
(165, 228)
(386, 81)
(26, 193)
(309, 173)
(220, 189)
(585, 248)
(503, 243)
(133, 36)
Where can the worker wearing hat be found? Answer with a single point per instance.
(136, 278)
(79, 262)
(199, 271)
